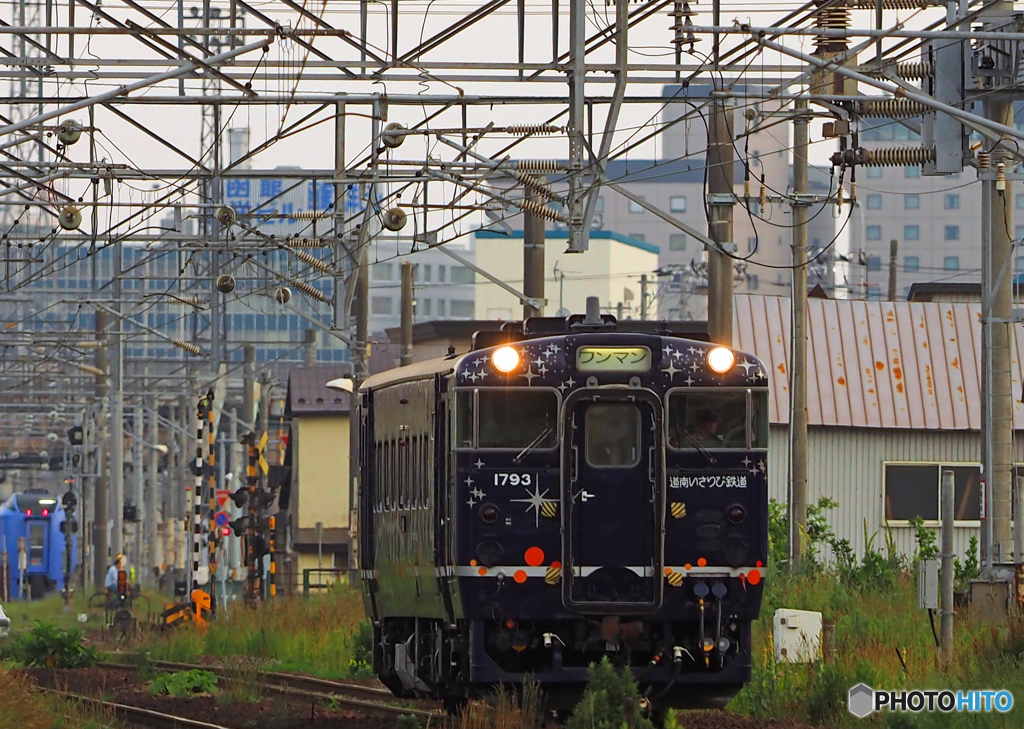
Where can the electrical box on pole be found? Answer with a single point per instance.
(939, 131)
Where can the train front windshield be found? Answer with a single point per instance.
(718, 419)
(506, 418)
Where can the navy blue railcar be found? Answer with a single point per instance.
(565, 491)
(38, 518)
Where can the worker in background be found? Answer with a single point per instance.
(111, 582)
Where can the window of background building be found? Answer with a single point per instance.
(875, 173)
(635, 207)
(462, 309)
(462, 275)
(911, 202)
(751, 244)
(952, 202)
(1019, 202)
(874, 202)
(440, 274)
(874, 263)
(911, 232)
(599, 205)
(425, 303)
(383, 271)
(677, 204)
(752, 282)
(912, 171)
(911, 263)
(638, 236)
(873, 232)
(913, 490)
(952, 232)
(677, 242)
(381, 305)
(875, 292)
(440, 307)
(951, 263)
(1018, 232)
(426, 272)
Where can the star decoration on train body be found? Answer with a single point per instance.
(535, 502)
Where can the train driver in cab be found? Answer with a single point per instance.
(707, 429)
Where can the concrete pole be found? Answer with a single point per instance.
(309, 347)
(798, 346)
(101, 511)
(946, 574)
(263, 426)
(249, 384)
(720, 156)
(138, 482)
(117, 457)
(533, 256)
(406, 311)
(643, 297)
(893, 246)
(1018, 525)
(153, 515)
(997, 212)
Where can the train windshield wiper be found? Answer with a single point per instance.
(533, 444)
(696, 444)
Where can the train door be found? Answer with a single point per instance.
(37, 561)
(613, 503)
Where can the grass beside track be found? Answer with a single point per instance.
(323, 635)
(22, 707)
(884, 640)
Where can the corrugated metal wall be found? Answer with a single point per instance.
(845, 464)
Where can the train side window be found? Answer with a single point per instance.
(464, 418)
(395, 474)
(613, 434)
(710, 419)
(516, 418)
(389, 470)
(758, 419)
(403, 472)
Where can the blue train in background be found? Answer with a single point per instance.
(43, 522)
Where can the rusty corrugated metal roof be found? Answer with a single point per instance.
(877, 363)
(308, 393)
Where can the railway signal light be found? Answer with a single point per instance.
(240, 496)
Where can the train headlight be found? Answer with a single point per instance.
(721, 360)
(505, 359)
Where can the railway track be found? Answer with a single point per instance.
(136, 715)
(366, 699)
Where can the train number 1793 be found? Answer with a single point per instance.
(513, 479)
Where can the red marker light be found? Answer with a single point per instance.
(46, 512)
(226, 531)
(28, 512)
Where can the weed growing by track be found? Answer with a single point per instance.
(46, 646)
(184, 684)
(22, 707)
(324, 635)
(882, 638)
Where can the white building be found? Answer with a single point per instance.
(610, 270)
